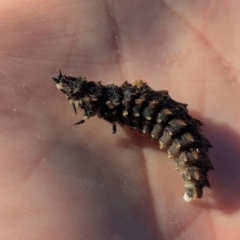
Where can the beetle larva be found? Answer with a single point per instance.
(151, 112)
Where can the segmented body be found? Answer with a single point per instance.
(151, 112)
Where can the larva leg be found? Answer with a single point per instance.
(85, 117)
(74, 108)
(114, 128)
(69, 98)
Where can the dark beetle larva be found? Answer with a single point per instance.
(151, 112)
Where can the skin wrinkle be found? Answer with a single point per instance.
(198, 216)
(181, 230)
(221, 59)
(33, 165)
(211, 226)
(208, 12)
(230, 32)
(27, 176)
(145, 56)
(116, 39)
(117, 43)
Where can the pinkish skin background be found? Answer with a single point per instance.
(63, 182)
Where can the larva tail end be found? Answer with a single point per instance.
(187, 198)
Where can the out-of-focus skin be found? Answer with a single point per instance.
(82, 182)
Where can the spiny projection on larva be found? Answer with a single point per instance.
(151, 112)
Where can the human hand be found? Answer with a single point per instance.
(82, 182)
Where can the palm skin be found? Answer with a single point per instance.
(82, 182)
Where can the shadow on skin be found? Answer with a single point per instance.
(140, 222)
(225, 156)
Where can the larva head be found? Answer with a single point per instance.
(71, 86)
(80, 92)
